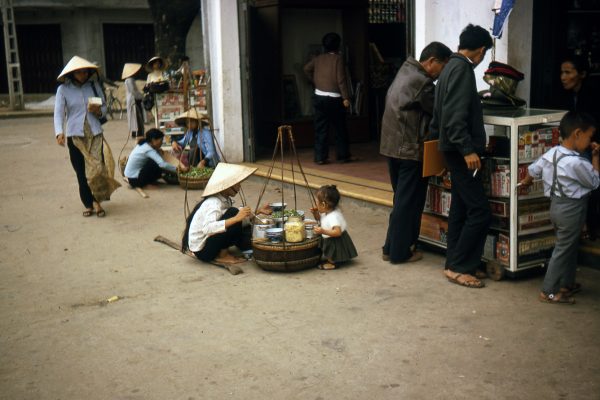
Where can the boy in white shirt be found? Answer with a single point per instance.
(568, 180)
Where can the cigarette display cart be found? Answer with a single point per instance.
(521, 235)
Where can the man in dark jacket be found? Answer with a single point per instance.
(458, 122)
(405, 124)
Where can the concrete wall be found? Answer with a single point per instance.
(443, 21)
(81, 26)
(222, 36)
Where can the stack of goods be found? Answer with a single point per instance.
(438, 200)
(434, 228)
(533, 144)
(534, 216)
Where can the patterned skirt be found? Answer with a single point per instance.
(338, 249)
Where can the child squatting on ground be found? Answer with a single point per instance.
(337, 245)
(568, 180)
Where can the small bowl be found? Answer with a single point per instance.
(274, 234)
(278, 206)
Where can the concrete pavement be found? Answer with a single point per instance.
(186, 330)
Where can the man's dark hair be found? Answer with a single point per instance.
(474, 37)
(575, 120)
(436, 50)
(331, 41)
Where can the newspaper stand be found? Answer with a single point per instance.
(521, 236)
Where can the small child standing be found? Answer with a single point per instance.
(568, 180)
(337, 245)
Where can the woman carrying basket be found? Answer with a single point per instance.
(215, 224)
(81, 104)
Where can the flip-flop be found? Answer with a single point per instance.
(88, 213)
(101, 213)
(559, 298)
(471, 284)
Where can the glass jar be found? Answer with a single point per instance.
(294, 230)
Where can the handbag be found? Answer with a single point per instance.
(103, 118)
(148, 101)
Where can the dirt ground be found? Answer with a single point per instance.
(186, 330)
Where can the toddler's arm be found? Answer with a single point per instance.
(336, 231)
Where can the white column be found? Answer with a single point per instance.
(222, 36)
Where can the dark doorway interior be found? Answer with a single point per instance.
(40, 54)
(562, 28)
(125, 43)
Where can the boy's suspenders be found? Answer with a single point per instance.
(555, 182)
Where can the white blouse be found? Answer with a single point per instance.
(206, 221)
(331, 219)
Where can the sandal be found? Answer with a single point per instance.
(559, 298)
(101, 213)
(479, 274)
(467, 280)
(571, 289)
(88, 212)
(326, 266)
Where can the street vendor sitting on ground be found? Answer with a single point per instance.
(202, 151)
(215, 224)
(156, 70)
(145, 164)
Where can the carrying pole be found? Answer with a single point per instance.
(11, 49)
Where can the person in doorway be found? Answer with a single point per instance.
(145, 164)
(198, 136)
(458, 122)
(135, 113)
(80, 103)
(568, 180)
(328, 74)
(405, 124)
(337, 245)
(215, 224)
(582, 97)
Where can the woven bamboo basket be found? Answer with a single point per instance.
(193, 183)
(288, 257)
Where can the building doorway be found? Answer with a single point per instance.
(125, 43)
(41, 60)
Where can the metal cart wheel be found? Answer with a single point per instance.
(495, 270)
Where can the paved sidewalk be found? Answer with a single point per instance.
(185, 330)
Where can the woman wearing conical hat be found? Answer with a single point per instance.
(79, 106)
(198, 136)
(135, 116)
(215, 224)
(156, 67)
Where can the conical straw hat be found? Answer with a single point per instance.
(74, 64)
(226, 176)
(130, 69)
(150, 61)
(192, 113)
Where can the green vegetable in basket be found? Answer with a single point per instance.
(196, 172)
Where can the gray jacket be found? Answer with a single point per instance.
(408, 110)
(458, 115)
